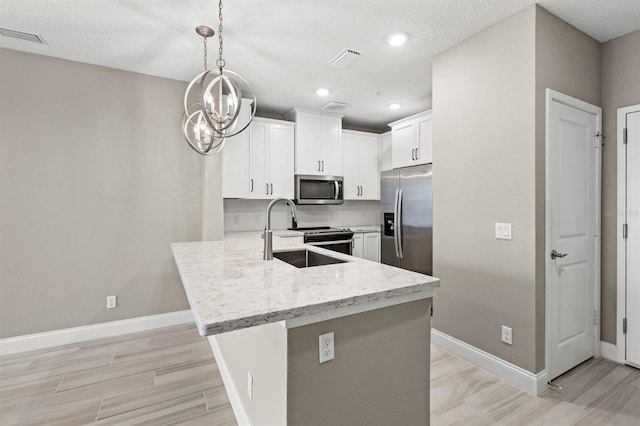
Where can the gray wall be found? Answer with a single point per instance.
(489, 133)
(387, 384)
(568, 61)
(95, 183)
(620, 88)
(484, 172)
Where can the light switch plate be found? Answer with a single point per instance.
(503, 231)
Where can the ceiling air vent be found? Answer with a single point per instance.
(334, 106)
(21, 35)
(344, 58)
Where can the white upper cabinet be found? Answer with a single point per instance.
(262, 166)
(412, 140)
(385, 152)
(318, 142)
(361, 165)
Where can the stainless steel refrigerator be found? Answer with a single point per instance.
(406, 205)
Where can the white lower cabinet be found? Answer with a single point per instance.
(260, 165)
(366, 245)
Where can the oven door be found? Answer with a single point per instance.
(342, 246)
(311, 189)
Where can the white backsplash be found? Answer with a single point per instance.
(249, 215)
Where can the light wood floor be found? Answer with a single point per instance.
(169, 376)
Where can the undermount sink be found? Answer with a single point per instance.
(306, 258)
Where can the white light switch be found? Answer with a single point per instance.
(503, 231)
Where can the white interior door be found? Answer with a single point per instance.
(632, 219)
(572, 276)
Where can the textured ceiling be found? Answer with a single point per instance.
(283, 46)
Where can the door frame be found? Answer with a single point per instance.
(552, 95)
(621, 305)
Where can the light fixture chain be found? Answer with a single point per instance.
(205, 52)
(220, 62)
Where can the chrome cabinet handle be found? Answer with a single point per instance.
(322, 165)
(555, 254)
(413, 154)
(267, 188)
(318, 165)
(251, 185)
(271, 188)
(417, 157)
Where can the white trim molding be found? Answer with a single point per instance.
(621, 298)
(609, 351)
(534, 384)
(31, 342)
(229, 385)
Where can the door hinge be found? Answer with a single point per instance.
(624, 326)
(624, 135)
(596, 318)
(598, 137)
(625, 231)
(597, 230)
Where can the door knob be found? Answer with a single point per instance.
(555, 254)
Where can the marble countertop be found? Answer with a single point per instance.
(364, 228)
(230, 286)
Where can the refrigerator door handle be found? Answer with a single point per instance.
(399, 225)
(395, 223)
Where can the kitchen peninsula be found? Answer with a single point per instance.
(264, 318)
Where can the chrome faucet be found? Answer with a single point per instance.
(268, 235)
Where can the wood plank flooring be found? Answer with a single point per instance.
(169, 376)
(163, 376)
(597, 392)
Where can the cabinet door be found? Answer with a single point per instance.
(331, 146)
(425, 140)
(259, 133)
(280, 163)
(235, 167)
(307, 152)
(357, 244)
(371, 246)
(385, 152)
(350, 166)
(369, 169)
(403, 144)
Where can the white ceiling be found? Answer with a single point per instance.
(283, 46)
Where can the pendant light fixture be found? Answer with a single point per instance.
(218, 103)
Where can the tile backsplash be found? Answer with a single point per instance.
(249, 215)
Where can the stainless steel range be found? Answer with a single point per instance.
(336, 239)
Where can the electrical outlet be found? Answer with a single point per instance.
(250, 384)
(111, 302)
(326, 348)
(507, 336)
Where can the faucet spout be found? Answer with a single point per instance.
(268, 235)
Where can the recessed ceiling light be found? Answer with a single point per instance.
(397, 39)
(323, 91)
(394, 106)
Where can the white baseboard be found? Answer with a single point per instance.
(609, 351)
(534, 384)
(232, 392)
(31, 342)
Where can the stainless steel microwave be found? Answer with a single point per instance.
(311, 189)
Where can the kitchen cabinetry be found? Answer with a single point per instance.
(360, 156)
(260, 165)
(412, 140)
(366, 245)
(385, 152)
(318, 142)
